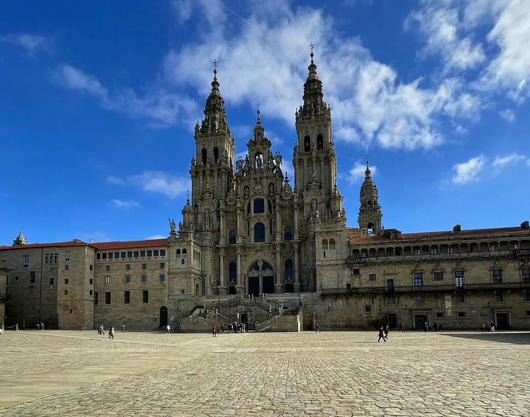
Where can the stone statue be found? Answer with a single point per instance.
(172, 225)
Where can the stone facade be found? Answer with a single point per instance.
(3, 295)
(252, 247)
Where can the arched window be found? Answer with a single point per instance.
(259, 232)
(266, 267)
(232, 272)
(320, 142)
(216, 155)
(232, 237)
(254, 267)
(184, 253)
(288, 269)
(325, 244)
(178, 253)
(307, 144)
(287, 233)
(259, 206)
(332, 244)
(204, 155)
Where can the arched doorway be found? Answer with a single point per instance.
(260, 278)
(163, 316)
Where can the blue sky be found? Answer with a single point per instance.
(98, 101)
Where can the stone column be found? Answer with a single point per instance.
(240, 286)
(296, 272)
(222, 286)
(278, 224)
(295, 209)
(279, 268)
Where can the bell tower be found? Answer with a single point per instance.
(212, 166)
(314, 154)
(370, 211)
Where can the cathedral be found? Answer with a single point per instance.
(251, 247)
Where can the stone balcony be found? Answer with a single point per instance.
(351, 261)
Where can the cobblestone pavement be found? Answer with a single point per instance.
(67, 373)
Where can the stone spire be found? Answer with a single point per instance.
(20, 240)
(214, 112)
(259, 130)
(370, 211)
(313, 95)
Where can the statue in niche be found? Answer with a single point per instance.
(259, 162)
(172, 225)
(278, 159)
(246, 191)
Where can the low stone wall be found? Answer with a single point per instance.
(195, 325)
(290, 323)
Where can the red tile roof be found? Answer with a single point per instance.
(98, 246)
(447, 235)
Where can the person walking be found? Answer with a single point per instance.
(434, 327)
(386, 332)
(426, 326)
(111, 332)
(381, 335)
(317, 328)
(400, 328)
(123, 327)
(214, 331)
(168, 327)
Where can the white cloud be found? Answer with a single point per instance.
(156, 237)
(507, 114)
(263, 63)
(31, 43)
(357, 173)
(155, 181)
(242, 132)
(439, 21)
(164, 107)
(501, 162)
(468, 171)
(125, 204)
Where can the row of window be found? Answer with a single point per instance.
(53, 257)
(288, 270)
(259, 233)
(143, 278)
(374, 253)
(128, 266)
(126, 297)
(131, 254)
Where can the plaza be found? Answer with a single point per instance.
(78, 373)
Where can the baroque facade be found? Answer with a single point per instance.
(247, 234)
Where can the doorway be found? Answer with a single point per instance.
(253, 286)
(419, 321)
(390, 285)
(502, 321)
(392, 321)
(163, 316)
(268, 284)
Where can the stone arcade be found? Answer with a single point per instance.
(252, 248)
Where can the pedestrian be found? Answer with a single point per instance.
(214, 331)
(483, 329)
(82, 327)
(123, 327)
(381, 335)
(1, 332)
(168, 327)
(434, 327)
(111, 332)
(42, 326)
(426, 326)
(440, 327)
(400, 328)
(317, 328)
(386, 331)
(222, 328)
(487, 326)
(492, 325)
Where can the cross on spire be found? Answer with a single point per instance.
(312, 45)
(215, 62)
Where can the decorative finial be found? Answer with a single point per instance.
(215, 62)
(188, 197)
(312, 45)
(258, 113)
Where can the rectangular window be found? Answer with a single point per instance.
(136, 254)
(116, 255)
(367, 309)
(183, 261)
(91, 281)
(123, 255)
(417, 251)
(461, 314)
(142, 254)
(527, 313)
(460, 298)
(144, 266)
(107, 280)
(104, 256)
(438, 275)
(155, 252)
(127, 267)
(149, 253)
(459, 279)
(95, 298)
(126, 297)
(111, 255)
(162, 252)
(129, 254)
(67, 267)
(32, 277)
(162, 265)
(439, 314)
(25, 260)
(46, 258)
(492, 248)
(51, 281)
(66, 281)
(98, 256)
(107, 267)
(525, 272)
(55, 258)
(371, 277)
(419, 299)
(107, 298)
(356, 271)
(143, 278)
(526, 297)
(65, 292)
(499, 297)
(91, 267)
(127, 279)
(145, 297)
(434, 251)
(496, 275)
(162, 278)
(418, 279)
(91, 292)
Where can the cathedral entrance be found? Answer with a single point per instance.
(163, 316)
(260, 278)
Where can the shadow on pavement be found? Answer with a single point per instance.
(522, 338)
